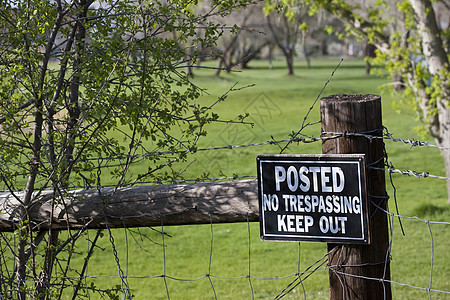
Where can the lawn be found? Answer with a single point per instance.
(277, 105)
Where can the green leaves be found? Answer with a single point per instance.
(93, 96)
(110, 83)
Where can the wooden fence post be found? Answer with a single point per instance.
(359, 271)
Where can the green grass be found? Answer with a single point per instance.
(277, 104)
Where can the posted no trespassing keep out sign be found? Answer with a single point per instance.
(316, 198)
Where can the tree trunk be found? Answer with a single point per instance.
(249, 54)
(289, 54)
(270, 56)
(444, 119)
(437, 60)
(323, 47)
(369, 52)
(188, 59)
(306, 50)
(219, 66)
(226, 59)
(287, 44)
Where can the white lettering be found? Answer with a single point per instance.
(321, 204)
(275, 203)
(270, 202)
(337, 208)
(266, 202)
(333, 229)
(325, 179)
(290, 223)
(343, 220)
(298, 224)
(307, 203)
(309, 221)
(332, 224)
(356, 205)
(328, 200)
(314, 171)
(347, 204)
(294, 223)
(323, 224)
(338, 179)
(280, 176)
(300, 203)
(286, 206)
(293, 202)
(331, 178)
(304, 179)
(314, 202)
(292, 178)
(281, 224)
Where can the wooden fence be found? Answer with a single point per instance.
(237, 201)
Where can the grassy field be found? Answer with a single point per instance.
(277, 105)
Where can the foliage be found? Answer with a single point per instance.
(393, 28)
(85, 82)
(288, 20)
(405, 56)
(413, 48)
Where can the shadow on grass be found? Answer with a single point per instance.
(428, 211)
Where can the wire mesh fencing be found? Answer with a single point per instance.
(224, 261)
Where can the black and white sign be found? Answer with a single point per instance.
(316, 198)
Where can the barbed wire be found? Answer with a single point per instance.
(391, 169)
(413, 142)
(176, 181)
(386, 136)
(302, 139)
(299, 277)
(325, 136)
(409, 217)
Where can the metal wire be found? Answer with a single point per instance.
(300, 276)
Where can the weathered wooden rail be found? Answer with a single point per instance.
(173, 204)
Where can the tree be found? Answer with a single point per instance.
(243, 39)
(284, 25)
(423, 62)
(290, 20)
(89, 87)
(414, 50)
